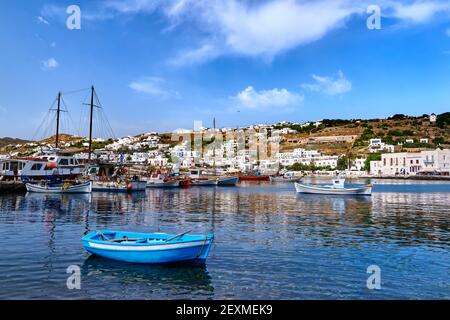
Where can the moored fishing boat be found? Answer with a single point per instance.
(227, 181)
(254, 177)
(337, 188)
(198, 179)
(204, 182)
(66, 187)
(148, 248)
(163, 184)
(161, 181)
(288, 177)
(119, 186)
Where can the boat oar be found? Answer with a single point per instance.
(178, 235)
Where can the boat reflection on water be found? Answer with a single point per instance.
(63, 203)
(334, 203)
(181, 280)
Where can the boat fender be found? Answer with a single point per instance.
(130, 186)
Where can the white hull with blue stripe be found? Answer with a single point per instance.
(85, 187)
(337, 188)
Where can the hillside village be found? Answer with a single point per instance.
(398, 145)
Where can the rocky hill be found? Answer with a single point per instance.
(11, 141)
(336, 136)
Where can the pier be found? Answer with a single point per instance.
(12, 186)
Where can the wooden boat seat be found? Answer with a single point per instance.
(125, 239)
(137, 240)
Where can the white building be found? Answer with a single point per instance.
(284, 131)
(378, 146)
(405, 163)
(432, 118)
(358, 164)
(306, 157)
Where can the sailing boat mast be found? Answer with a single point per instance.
(90, 122)
(58, 111)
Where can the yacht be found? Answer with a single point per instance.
(38, 168)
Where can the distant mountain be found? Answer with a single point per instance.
(8, 140)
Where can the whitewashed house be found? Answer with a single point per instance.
(411, 163)
(378, 146)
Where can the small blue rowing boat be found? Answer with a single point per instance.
(148, 248)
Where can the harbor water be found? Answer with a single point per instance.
(271, 243)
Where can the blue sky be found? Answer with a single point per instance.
(159, 65)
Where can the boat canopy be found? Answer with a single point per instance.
(338, 183)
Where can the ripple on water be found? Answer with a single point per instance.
(270, 243)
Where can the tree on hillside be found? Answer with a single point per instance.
(443, 120)
(342, 163)
(398, 116)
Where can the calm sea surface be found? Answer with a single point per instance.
(270, 243)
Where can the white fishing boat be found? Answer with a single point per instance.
(204, 182)
(67, 187)
(287, 177)
(198, 179)
(161, 183)
(337, 188)
(119, 186)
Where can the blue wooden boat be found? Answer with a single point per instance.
(148, 248)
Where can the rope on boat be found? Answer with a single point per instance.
(201, 249)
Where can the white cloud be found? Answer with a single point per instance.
(329, 85)
(53, 44)
(194, 56)
(263, 28)
(276, 26)
(279, 98)
(132, 6)
(40, 19)
(418, 11)
(153, 86)
(50, 64)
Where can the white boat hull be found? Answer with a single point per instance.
(80, 188)
(163, 184)
(363, 191)
(119, 187)
(283, 179)
(209, 182)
